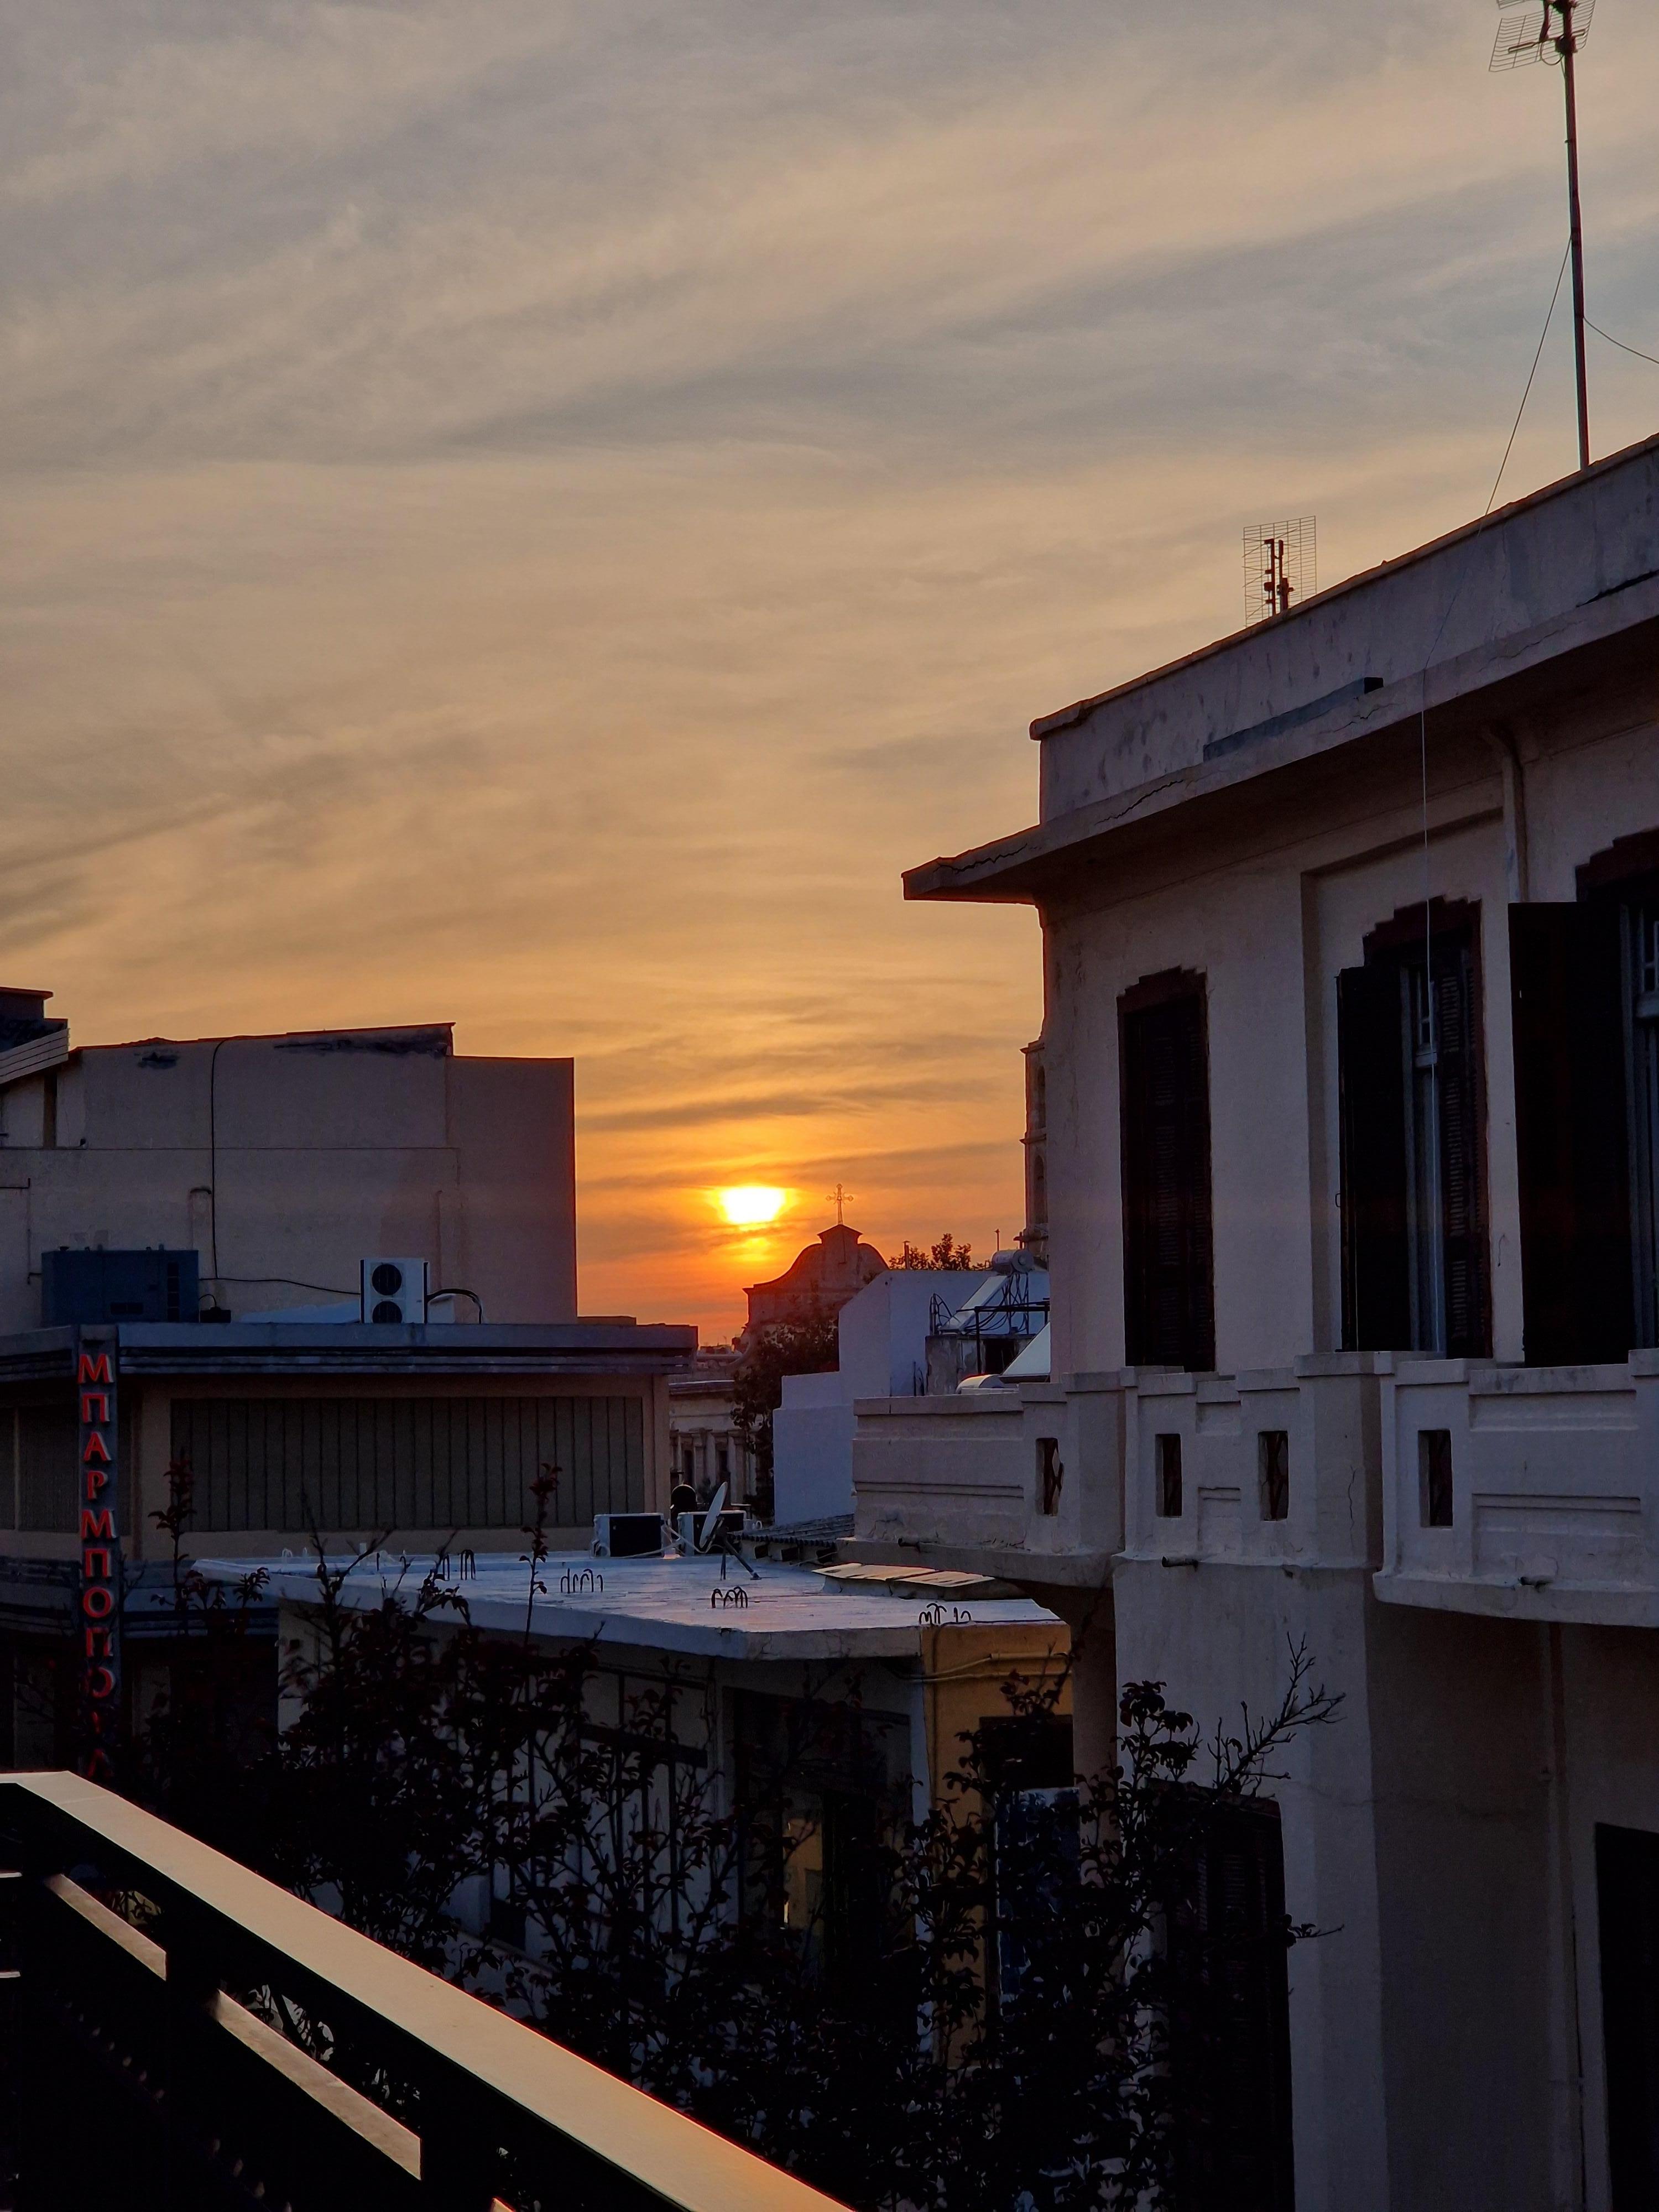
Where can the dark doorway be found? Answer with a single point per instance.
(1230, 2042)
(1628, 1895)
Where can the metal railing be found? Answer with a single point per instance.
(218, 2042)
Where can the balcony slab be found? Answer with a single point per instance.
(1545, 1485)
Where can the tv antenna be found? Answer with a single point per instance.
(1555, 34)
(712, 1537)
(1281, 564)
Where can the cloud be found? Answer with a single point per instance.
(533, 515)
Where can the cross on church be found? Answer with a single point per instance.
(840, 1197)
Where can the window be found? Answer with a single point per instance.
(1229, 2041)
(1273, 1452)
(1586, 1014)
(1168, 1260)
(825, 1789)
(1034, 1857)
(1434, 1475)
(1641, 933)
(1168, 1476)
(1627, 1896)
(403, 1463)
(1414, 1274)
(40, 1468)
(1049, 1474)
(1035, 1869)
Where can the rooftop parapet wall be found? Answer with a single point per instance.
(283, 1161)
(1533, 562)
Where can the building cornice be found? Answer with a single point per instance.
(278, 1351)
(1502, 678)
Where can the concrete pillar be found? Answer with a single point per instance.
(1089, 1615)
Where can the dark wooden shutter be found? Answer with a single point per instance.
(1371, 1061)
(1457, 1024)
(1229, 2041)
(1627, 1897)
(1571, 1132)
(1168, 1240)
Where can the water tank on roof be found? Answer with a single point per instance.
(102, 1285)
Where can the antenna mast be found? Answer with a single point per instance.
(1566, 45)
(1538, 37)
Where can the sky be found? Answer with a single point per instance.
(532, 514)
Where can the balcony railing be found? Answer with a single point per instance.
(1048, 1482)
(1026, 1480)
(1526, 1491)
(1523, 1491)
(152, 2069)
(1275, 1466)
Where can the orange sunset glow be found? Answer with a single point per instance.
(752, 1204)
(535, 516)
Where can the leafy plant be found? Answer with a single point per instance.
(946, 1255)
(1028, 2001)
(803, 1347)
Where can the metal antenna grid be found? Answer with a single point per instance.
(1281, 567)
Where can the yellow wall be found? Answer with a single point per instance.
(964, 1670)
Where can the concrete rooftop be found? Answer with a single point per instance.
(666, 1604)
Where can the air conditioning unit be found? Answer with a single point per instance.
(627, 1535)
(693, 1533)
(394, 1290)
(103, 1286)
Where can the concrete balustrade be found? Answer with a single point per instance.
(1545, 1481)
(1553, 1483)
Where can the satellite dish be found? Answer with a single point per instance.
(711, 1520)
(712, 1537)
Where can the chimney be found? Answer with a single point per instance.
(22, 1005)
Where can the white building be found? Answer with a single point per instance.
(1033, 1239)
(882, 1352)
(706, 1446)
(267, 1171)
(1351, 944)
(909, 1333)
(281, 1160)
(738, 1661)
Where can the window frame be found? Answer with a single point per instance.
(1190, 1343)
(1626, 876)
(1383, 1286)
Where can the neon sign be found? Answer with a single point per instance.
(100, 1556)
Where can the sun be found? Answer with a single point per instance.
(751, 1205)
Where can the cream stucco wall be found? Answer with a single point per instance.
(1269, 924)
(1472, 724)
(299, 1156)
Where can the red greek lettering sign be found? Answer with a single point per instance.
(100, 1559)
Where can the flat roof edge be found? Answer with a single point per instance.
(283, 1351)
(1064, 718)
(1003, 872)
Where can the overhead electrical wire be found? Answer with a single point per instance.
(1620, 343)
(1429, 998)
